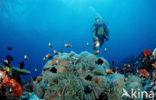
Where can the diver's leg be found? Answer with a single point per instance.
(101, 40)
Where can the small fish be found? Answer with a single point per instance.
(109, 71)
(44, 59)
(55, 62)
(78, 60)
(89, 77)
(113, 62)
(38, 79)
(127, 65)
(34, 78)
(46, 69)
(9, 58)
(5, 62)
(27, 95)
(69, 62)
(50, 84)
(36, 70)
(50, 45)
(53, 89)
(58, 94)
(7, 69)
(22, 65)
(96, 52)
(61, 51)
(67, 45)
(105, 50)
(96, 44)
(55, 52)
(26, 57)
(87, 44)
(154, 66)
(48, 56)
(10, 90)
(9, 48)
(99, 61)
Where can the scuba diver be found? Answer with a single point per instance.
(100, 32)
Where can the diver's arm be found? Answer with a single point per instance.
(107, 33)
(93, 29)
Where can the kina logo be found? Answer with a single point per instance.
(137, 94)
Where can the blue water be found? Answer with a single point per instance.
(29, 25)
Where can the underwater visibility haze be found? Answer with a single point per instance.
(32, 29)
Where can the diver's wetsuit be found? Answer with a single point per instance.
(102, 33)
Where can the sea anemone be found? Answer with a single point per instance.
(74, 77)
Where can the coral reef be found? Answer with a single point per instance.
(69, 76)
(85, 76)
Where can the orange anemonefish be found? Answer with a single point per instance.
(55, 62)
(67, 45)
(109, 71)
(50, 45)
(105, 50)
(55, 52)
(48, 56)
(96, 52)
(87, 44)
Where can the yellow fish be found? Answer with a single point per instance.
(44, 59)
(7, 69)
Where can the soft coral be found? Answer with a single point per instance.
(144, 72)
